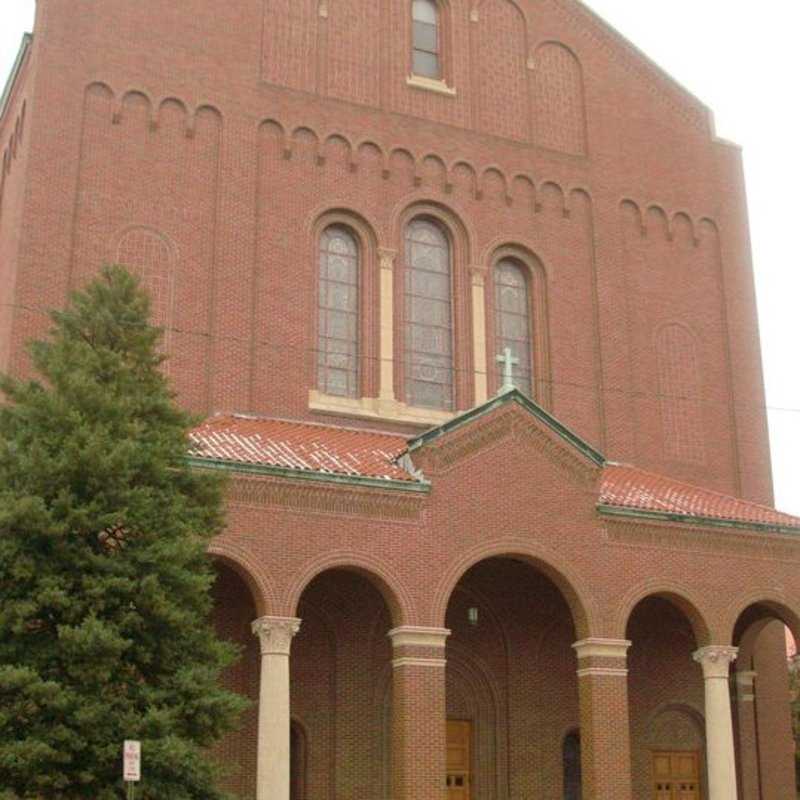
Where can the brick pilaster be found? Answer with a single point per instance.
(605, 731)
(419, 745)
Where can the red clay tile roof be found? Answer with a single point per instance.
(625, 486)
(301, 446)
(336, 450)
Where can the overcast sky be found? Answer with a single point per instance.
(744, 62)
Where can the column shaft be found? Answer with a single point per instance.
(720, 751)
(479, 335)
(274, 720)
(387, 258)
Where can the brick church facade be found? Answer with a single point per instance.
(463, 290)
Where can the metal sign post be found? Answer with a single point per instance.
(131, 766)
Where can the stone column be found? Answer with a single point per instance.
(720, 752)
(419, 714)
(274, 722)
(386, 384)
(748, 746)
(478, 275)
(605, 727)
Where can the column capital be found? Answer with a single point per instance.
(602, 648)
(410, 636)
(478, 275)
(276, 634)
(387, 257)
(716, 660)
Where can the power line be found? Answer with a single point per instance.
(363, 357)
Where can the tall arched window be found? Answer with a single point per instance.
(429, 315)
(513, 323)
(337, 359)
(573, 789)
(426, 39)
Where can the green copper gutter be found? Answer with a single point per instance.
(12, 78)
(512, 395)
(712, 522)
(359, 481)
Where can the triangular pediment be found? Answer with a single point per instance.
(509, 416)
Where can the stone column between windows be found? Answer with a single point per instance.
(419, 714)
(386, 352)
(720, 752)
(748, 746)
(478, 275)
(274, 722)
(605, 726)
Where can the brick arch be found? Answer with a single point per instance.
(688, 712)
(675, 593)
(677, 357)
(558, 99)
(377, 572)
(247, 568)
(573, 587)
(151, 256)
(776, 603)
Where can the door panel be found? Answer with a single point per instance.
(676, 776)
(459, 759)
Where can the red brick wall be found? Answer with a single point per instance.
(207, 139)
(164, 127)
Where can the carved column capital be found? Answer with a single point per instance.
(387, 257)
(276, 634)
(716, 660)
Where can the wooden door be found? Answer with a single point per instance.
(676, 776)
(459, 759)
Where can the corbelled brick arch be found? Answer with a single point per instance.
(565, 576)
(675, 593)
(774, 604)
(382, 576)
(761, 692)
(249, 569)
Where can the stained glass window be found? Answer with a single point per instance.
(513, 323)
(428, 322)
(425, 52)
(337, 360)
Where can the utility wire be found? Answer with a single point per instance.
(362, 357)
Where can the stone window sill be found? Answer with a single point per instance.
(377, 408)
(430, 84)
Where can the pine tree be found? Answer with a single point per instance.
(104, 578)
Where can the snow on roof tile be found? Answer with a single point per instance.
(626, 486)
(337, 450)
(302, 446)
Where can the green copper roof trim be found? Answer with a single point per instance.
(713, 522)
(12, 78)
(416, 487)
(512, 395)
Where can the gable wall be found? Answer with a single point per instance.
(219, 134)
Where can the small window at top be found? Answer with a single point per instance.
(425, 55)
